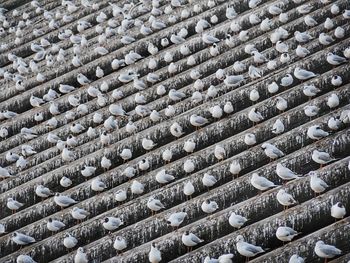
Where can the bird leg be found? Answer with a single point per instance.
(321, 165)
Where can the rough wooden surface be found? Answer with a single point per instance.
(311, 216)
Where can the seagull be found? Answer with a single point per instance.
(228, 108)
(301, 51)
(249, 139)
(325, 39)
(105, 163)
(326, 251)
(175, 95)
(310, 21)
(296, 259)
(209, 39)
(285, 199)
(126, 154)
(209, 207)
(310, 90)
(338, 211)
(79, 213)
(111, 223)
(219, 152)
(246, 249)
(311, 110)
(198, 121)
(190, 240)
(83, 80)
(303, 74)
(63, 200)
(255, 116)
(315, 132)
(273, 87)
(69, 241)
(143, 164)
(148, 144)
(233, 80)
(188, 189)
(35, 101)
(25, 259)
(154, 255)
(317, 184)
(278, 127)
(208, 180)
(137, 187)
(119, 243)
(176, 130)
(97, 185)
(237, 221)
(254, 95)
(235, 167)
(216, 112)
(43, 191)
(261, 183)
(336, 80)
(87, 171)
(333, 123)
(121, 195)
(163, 178)
(272, 151)
(155, 205)
(334, 59)
(322, 157)
(287, 80)
(302, 37)
(130, 127)
(80, 256)
(189, 146)
(282, 47)
(286, 234)
(65, 182)
(189, 166)
(13, 204)
(22, 239)
(167, 155)
(285, 173)
(28, 133)
(117, 110)
(176, 219)
(333, 101)
(2, 229)
(54, 225)
(281, 104)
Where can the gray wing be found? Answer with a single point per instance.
(253, 249)
(84, 212)
(195, 239)
(265, 182)
(339, 59)
(26, 239)
(158, 203)
(201, 120)
(47, 191)
(330, 250)
(277, 152)
(324, 157)
(59, 224)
